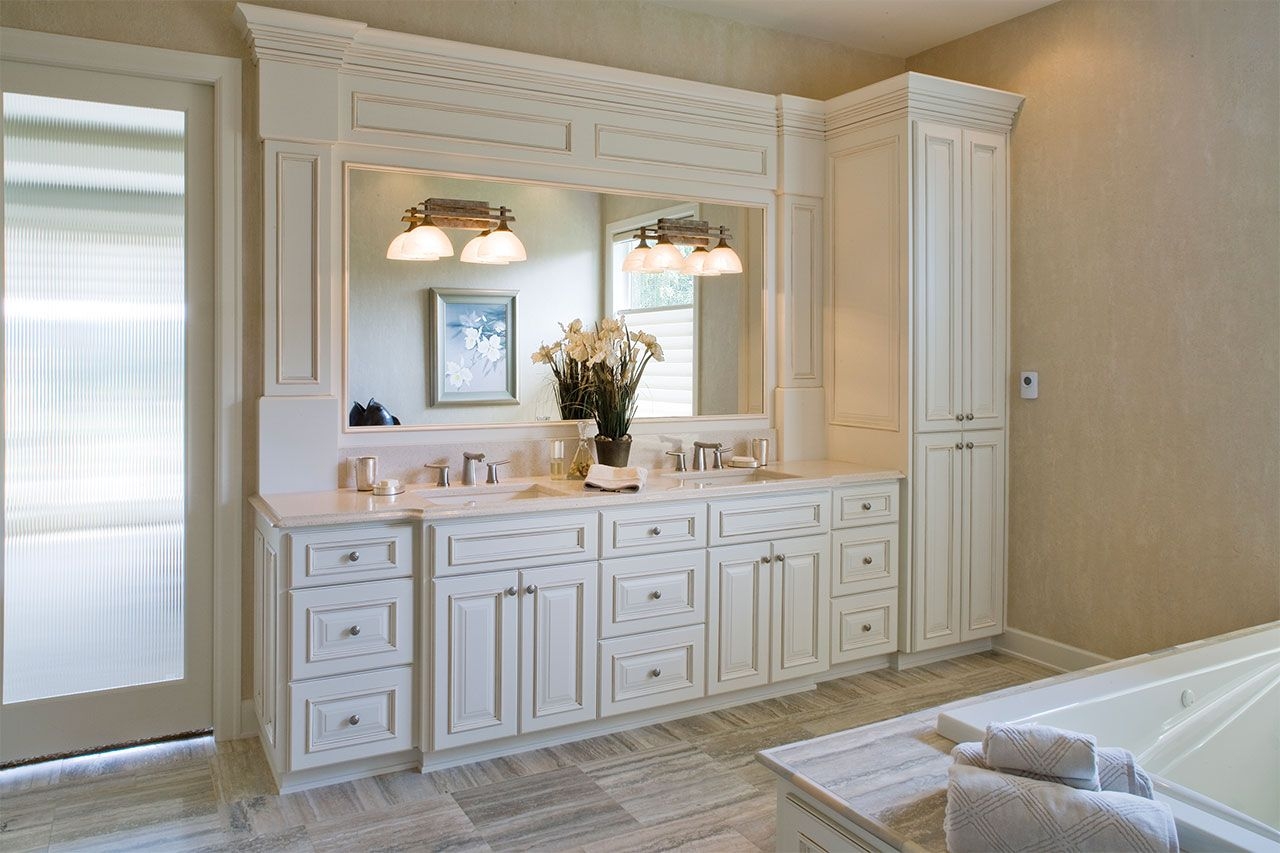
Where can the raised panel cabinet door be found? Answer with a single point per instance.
(800, 604)
(936, 541)
(937, 216)
(985, 280)
(265, 579)
(558, 645)
(738, 617)
(476, 654)
(983, 561)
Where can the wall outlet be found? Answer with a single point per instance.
(1029, 385)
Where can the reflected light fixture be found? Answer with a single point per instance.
(665, 255)
(424, 240)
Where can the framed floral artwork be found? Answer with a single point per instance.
(473, 338)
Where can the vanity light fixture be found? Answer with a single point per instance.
(424, 240)
(665, 255)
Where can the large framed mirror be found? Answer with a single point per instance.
(447, 343)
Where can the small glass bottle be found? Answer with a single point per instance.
(582, 457)
(559, 462)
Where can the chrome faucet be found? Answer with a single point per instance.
(470, 462)
(700, 459)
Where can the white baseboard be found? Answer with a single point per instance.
(1046, 652)
(906, 660)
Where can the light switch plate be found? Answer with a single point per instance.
(1029, 385)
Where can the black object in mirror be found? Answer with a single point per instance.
(372, 413)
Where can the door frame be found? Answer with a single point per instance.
(232, 717)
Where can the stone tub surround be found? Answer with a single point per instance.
(532, 458)
(345, 506)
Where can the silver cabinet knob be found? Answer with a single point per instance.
(866, 506)
(780, 557)
(655, 531)
(866, 561)
(511, 590)
(354, 630)
(959, 445)
(968, 445)
(354, 556)
(655, 672)
(354, 719)
(766, 559)
(959, 417)
(969, 416)
(531, 589)
(656, 594)
(866, 626)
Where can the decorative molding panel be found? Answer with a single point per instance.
(801, 284)
(642, 146)
(437, 120)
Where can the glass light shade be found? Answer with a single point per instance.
(427, 242)
(663, 257)
(723, 259)
(634, 262)
(471, 251)
(695, 264)
(397, 252)
(501, 246)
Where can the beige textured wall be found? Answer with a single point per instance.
(628, 34)
(1145, 482)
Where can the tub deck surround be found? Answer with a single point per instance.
(348, 506)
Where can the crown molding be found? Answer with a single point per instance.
(925, 96)
(801, 117)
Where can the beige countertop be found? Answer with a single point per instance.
(424, 502)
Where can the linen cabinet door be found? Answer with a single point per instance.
(983, 562)
(936, 203)
(738, 616)
(800, 605)
(936, 541)
(558, 645)
(986, 287)
(476, 656)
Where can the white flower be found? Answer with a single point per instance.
(490, 347)
(457, 374)
(472, 320)
(499, 326)
(470, 337)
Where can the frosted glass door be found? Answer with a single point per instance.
(102, 421)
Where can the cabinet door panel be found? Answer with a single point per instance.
(475, 659)
(558, 645)
(801, 615)
(738, 615)
(985, 279)
(935, 558)
(983, 562)
(937, 257)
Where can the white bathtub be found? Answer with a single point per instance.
(1203, 718)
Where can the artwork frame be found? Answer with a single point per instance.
(472, 347)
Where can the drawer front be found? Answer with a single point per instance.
(752, 519)
(350, 716)
(864, 625)
(350, 628)
(865, 503)
(497, 543)
(353, 554)
(653, 593)
(802, 828)
(653, 529)
(649, 670)
(866, 559)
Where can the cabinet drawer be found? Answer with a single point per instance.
(337, 629)
(864, 625)
(498, 543)
(351, 554)
(866, 559)
(865, 503)
(653, 529)
(350, 716)
(652, 593)
(787, 514)
(802, 827)
(649, 670)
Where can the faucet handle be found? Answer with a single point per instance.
(476, 457)
(444, 473)
(719, 455)
(493, 470)
(680, 463)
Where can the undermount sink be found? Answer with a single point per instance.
(731, 477)
(483, 495)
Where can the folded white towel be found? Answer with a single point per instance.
(989, 811)
(1117, 770)
(607, 478)
(1044, 750)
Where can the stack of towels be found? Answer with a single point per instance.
(607, 478)
(1030, 787)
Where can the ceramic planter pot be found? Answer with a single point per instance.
(613, 451)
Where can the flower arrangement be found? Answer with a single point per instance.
(484, 336)
(601, 369)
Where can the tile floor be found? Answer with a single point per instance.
(690, 784)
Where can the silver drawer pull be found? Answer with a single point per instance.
(531, 589)
(960, 417)
(354, 630)
(511, 590)
(866, 626)
(780, 557)
(968, 416)
(354, 556)
(968, 445)
(959, 445)
(655, 531)
(655, 672)
(766, 559)
(656, 594)
(866, 561)
(354, 719)
(866, 506)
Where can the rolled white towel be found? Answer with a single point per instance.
(1117, 770)
(607, 478)
(1045, 750)
(989, 811)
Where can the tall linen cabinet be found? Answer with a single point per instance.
(918, 365)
